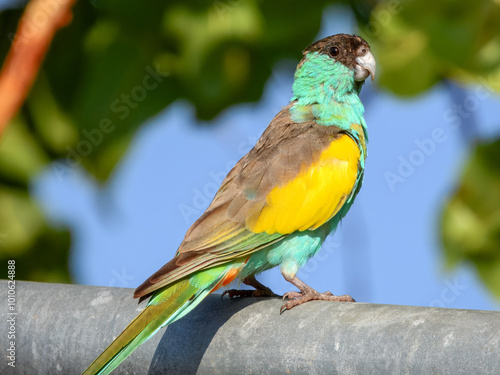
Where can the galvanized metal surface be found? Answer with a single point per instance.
(60, 329)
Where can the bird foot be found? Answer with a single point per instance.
(260, 290)
(298, 298)
(232, 293)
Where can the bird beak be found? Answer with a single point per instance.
(365, 67)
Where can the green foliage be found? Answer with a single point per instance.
(24, 234)
(418, 43)
(43, 251)
(471, 219)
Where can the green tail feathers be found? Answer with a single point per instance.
(165, 307)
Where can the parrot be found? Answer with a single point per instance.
(277, 205)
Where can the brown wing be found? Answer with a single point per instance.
(283, 151)
(222, 233)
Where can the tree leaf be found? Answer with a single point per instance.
(471, 219)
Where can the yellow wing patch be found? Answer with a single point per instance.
(315, 195)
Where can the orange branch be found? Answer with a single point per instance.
(36, 29)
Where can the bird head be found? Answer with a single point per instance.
(328, 81)
(351, 51)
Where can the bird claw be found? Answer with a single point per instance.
(292, 295)
(283, 308)
(223, 294)
(297, 298)
(232, 293)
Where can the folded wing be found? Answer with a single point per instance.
(296, 178)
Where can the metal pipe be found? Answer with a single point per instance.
(60, 329)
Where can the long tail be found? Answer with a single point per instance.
(165, 307)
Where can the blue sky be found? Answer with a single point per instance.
(387, 249)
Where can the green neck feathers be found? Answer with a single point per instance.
(327, 93)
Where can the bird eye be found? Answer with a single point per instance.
(334, 51)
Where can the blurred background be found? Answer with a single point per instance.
(139, 109)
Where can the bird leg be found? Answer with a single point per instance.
(307, 294)
(260, 290)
